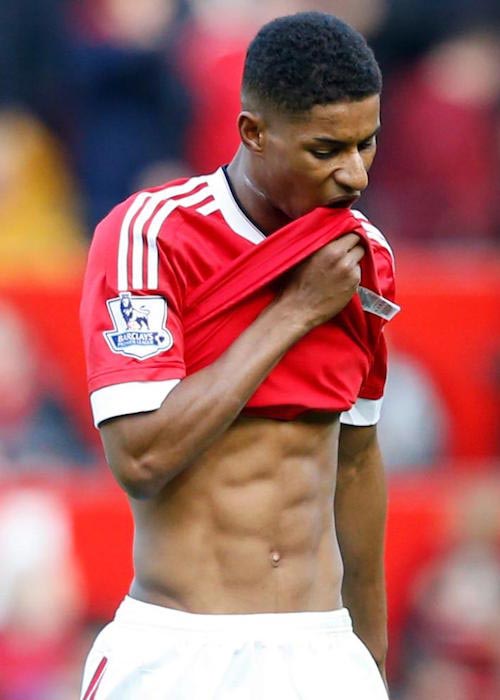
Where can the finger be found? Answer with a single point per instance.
(355, 254)
(348, 240)
(356, 272)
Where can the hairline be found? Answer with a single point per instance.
(263, 106)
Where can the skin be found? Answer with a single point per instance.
(242, 515)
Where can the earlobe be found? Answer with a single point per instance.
(251, 129)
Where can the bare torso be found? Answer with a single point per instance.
(249, 527)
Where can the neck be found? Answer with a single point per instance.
(252, 196)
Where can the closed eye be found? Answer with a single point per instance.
(336, 147)
(323, 155)
(370, 143)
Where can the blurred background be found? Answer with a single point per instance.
(101, 97)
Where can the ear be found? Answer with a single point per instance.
(251, 127)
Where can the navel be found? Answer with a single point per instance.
(275, 558)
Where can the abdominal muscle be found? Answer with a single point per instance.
(249, 527)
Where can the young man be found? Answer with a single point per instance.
(237, 393)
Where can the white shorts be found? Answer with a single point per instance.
(153, 653)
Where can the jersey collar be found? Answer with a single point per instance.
(231, 210)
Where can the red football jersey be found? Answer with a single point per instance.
(149, 256)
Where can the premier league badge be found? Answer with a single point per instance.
(139, 326)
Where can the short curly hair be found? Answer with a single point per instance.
(307, 59)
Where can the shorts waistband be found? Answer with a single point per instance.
(137, 612)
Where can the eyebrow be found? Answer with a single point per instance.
(336, 142)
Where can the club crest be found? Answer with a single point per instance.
(139, 326)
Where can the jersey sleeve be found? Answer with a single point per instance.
(133, 335)
(367, 409)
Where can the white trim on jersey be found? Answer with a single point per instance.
(364, 412)
(123, 242)
(234, 216)
(208, 208)
(129, 397)
(373, 232)
(150, 201)
(157, 222)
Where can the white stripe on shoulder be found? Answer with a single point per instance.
(137, 244)
(123, 242)
(372, 231)
(157, 222)
(208, 208)
(150, 200)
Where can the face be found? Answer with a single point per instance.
(319, 159)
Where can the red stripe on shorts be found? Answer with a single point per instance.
(96, 679)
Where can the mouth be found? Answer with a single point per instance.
(342, 202)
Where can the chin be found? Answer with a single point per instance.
(296, 213)
(293, 210)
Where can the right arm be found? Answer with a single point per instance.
(146, 450)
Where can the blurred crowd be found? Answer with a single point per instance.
(106, 96)
(451, 645)
(99, 98)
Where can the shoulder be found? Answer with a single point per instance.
(382, 253)
(379, 242)
(127, 238)
(154, 206)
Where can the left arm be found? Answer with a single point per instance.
(360, 515)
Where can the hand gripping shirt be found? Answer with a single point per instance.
(177, 272)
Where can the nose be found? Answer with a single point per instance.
(351, 174)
